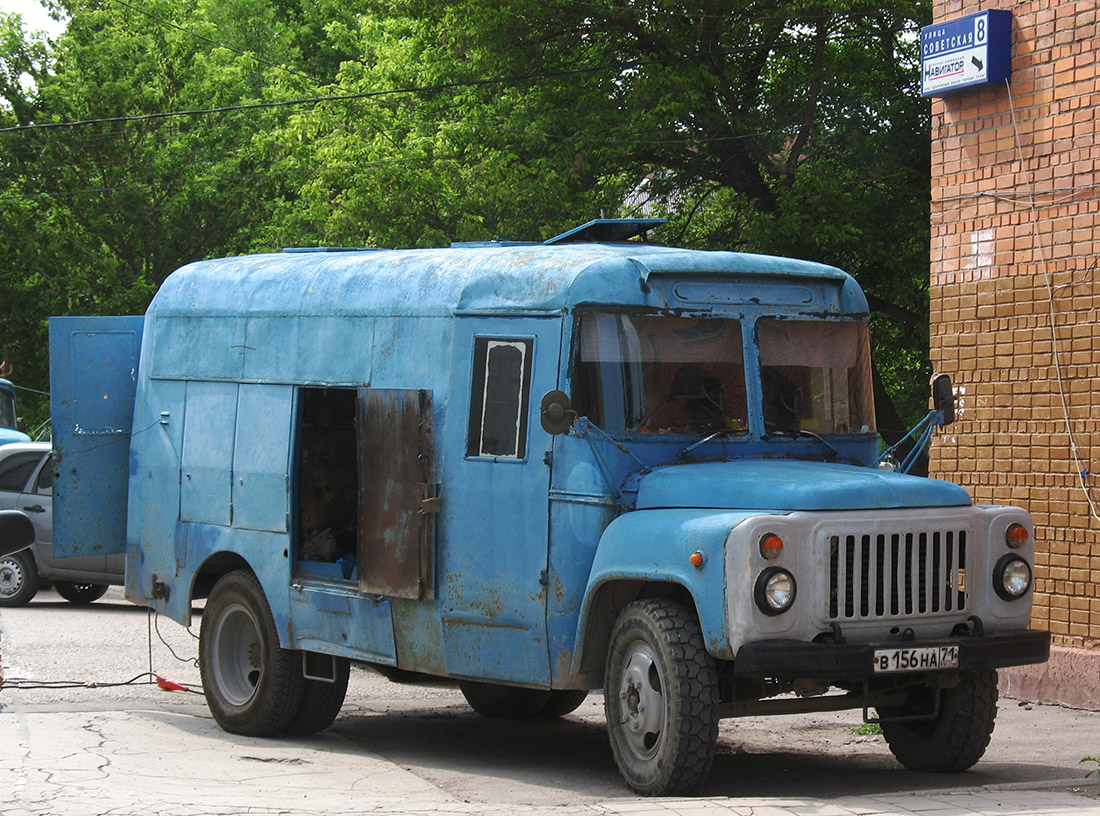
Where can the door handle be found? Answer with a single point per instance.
(35, 508)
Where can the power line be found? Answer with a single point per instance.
(415, 89)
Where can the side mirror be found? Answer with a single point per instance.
(557, 413)
(943, 398)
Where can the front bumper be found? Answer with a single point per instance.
(798, 660)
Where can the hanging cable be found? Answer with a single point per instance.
(1051, 309)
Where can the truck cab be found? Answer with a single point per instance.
(538, 470)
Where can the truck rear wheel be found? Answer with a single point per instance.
(956, 738)
(562, 702)
(321, 701)
(504, 702)
(253, 687)
(660, 698)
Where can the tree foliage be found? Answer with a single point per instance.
(789, 126)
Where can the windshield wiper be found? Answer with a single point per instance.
(722, 432)
(833, 451)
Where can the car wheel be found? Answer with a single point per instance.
(18, 579)
(660, 698)
(252, 685)
(79, 594)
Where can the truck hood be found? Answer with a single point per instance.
(783, 484)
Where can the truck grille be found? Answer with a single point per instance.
(896, 574)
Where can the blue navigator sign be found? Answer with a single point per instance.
(971, 52)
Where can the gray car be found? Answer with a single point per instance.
(26, 484)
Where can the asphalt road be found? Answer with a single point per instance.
(428, 731)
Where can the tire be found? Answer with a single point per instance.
(79, 594)
(562, 702)
(956, 738)
(661, 698)
(252, 686)
(18, 579)
(504, 702)
(321, 701)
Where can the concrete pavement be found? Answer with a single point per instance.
(178, 763)
(92, 749)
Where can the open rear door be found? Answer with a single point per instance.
(93, 377)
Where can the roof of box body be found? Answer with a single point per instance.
(442, 281)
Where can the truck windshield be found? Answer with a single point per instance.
(661, 375)
(815, 376)
(7, 409)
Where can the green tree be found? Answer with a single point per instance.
(786, 127)
(107, 196)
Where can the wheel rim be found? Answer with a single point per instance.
(642, 701)
(238, 655)
(11, 577)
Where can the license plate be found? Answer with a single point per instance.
(922, 658)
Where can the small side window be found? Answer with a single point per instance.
(44, 483)
(499, 398)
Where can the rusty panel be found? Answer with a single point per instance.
(397, 494)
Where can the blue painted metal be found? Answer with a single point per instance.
(93, 374)
(8, 432)
(656, 545)
(925, 428)
(524, 544)
(755, 484)
(607, 230)
(495, 517)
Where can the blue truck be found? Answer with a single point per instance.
(538, 470)
(9, 423)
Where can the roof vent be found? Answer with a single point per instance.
(607, 231)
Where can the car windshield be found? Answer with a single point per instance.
(815, 377)
(662, 375)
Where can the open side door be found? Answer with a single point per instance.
(93, 378)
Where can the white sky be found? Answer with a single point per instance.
(35, 17)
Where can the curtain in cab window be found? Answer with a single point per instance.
(815, 376)
(499, 398)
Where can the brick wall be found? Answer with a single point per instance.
(1015, 243)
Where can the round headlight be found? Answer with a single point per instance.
(1011, 577)
(775, 590)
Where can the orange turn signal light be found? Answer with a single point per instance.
(771, 546)
(697, 559)
(1016, 535)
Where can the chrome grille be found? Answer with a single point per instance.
(886, 575)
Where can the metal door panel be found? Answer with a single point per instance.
(93, 377)
(396, 529)
(261, 457)
(206, 490)
(493, 559)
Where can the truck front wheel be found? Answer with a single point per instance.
(253, 687)
(660, 698)
(956, 737)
